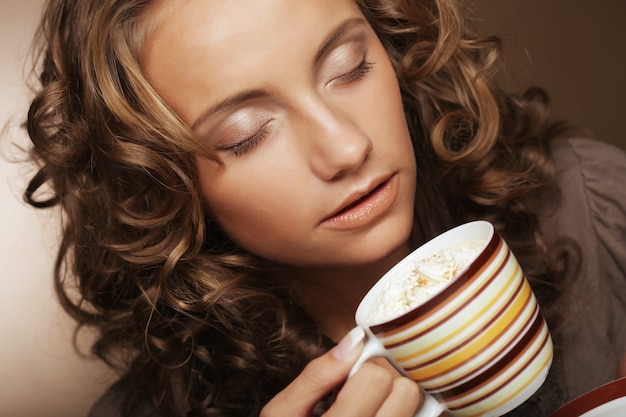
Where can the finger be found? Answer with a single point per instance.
(364, 393)
(317, 379)
(403, 401)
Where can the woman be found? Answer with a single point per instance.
(236, 175)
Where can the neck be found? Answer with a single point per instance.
(332, 294)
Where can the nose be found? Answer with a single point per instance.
(337, 144)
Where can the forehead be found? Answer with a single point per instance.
(206, 46)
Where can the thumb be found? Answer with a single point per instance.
(318, 378)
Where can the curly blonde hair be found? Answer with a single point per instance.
(192, 320)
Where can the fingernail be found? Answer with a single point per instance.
(345, 347)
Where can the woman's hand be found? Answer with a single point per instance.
(375, 390)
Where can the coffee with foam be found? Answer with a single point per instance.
(418, 281)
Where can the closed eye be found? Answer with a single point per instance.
(355, 75)
(244, 146)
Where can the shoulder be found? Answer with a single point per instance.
(589, 164)
(591, 211)
(591, 177)
(591, 206)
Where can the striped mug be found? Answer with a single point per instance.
(478, 344)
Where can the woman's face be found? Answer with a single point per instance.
(299, 99)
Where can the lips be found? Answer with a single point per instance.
(360, 200)
(363, 207)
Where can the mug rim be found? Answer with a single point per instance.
(490, 246)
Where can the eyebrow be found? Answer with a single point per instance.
(245, 95)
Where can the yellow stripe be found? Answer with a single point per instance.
(453, 334)
(482, 411)
(481, 342)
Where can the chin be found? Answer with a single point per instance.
(390, 247)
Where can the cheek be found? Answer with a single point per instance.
(252, 205)
(384, 115)
(220, 192)
(238, 216)
(228, 198)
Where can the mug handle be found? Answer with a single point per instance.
(373, 349)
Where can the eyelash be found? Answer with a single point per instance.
(244, 146)
(358, 73)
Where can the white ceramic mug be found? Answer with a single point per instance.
(479, 346)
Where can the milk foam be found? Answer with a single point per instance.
(418, 281)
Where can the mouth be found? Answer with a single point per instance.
(363, 207)
(361, 199)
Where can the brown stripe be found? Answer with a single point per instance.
(511, 378)
(453, 312)
(429, 307)
(531, 321)
(496, 369)
(476, 335)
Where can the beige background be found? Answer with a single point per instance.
(573, 48)
(40, 375)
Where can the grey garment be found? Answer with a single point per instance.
(592, 211)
